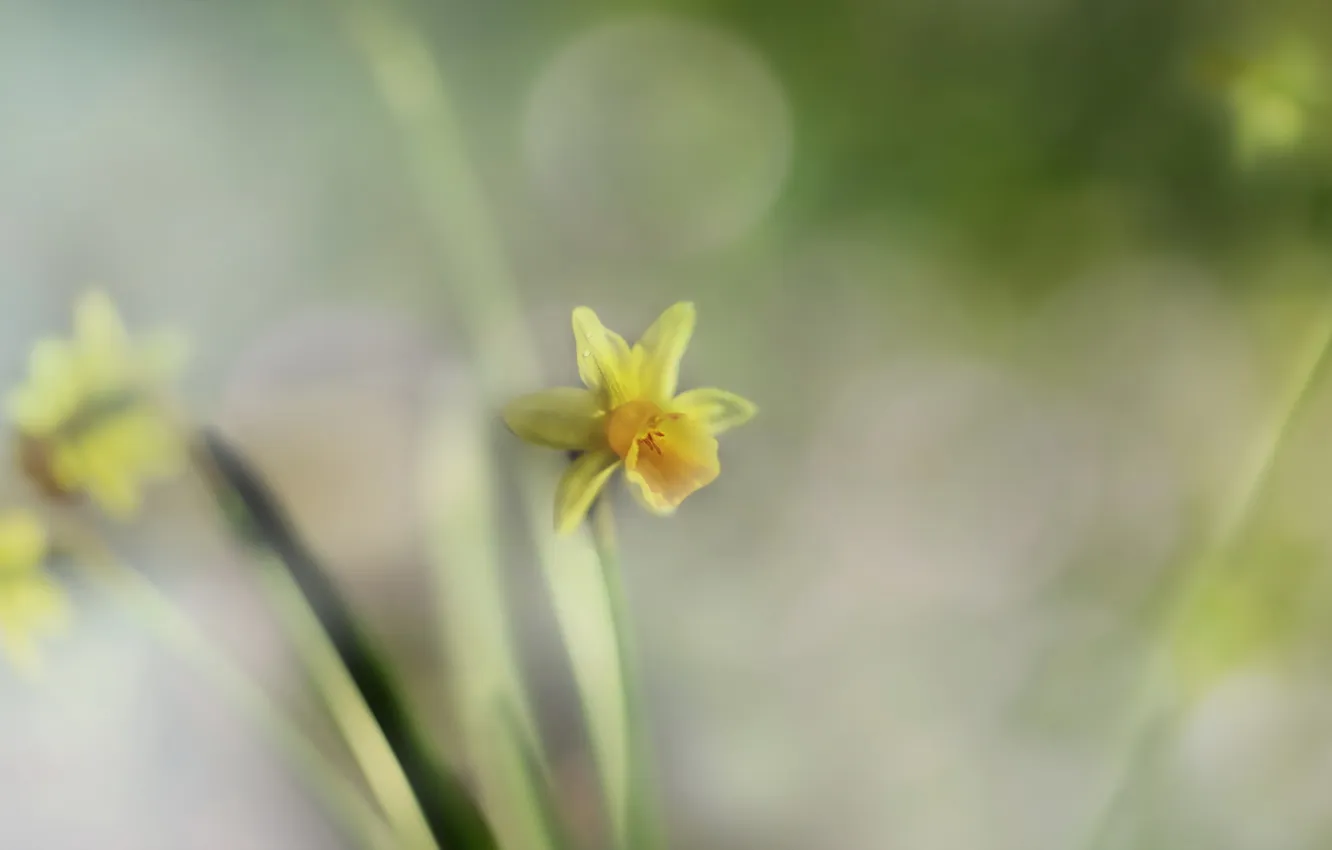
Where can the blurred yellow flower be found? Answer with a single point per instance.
(90, 416)
(1250, 607)
(630, 415)
(1273, 95)
(32, 605)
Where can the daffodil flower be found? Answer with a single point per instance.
(629, 415)
(90, 417)
(32, 605)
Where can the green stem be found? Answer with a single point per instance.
(1155, 705)
(150, 608)
(643, 827)
(426, 803)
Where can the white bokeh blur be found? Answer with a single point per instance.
(660, 134)
(898, 616)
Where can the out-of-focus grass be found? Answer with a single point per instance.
(153, 611)
(1227, 608)
(488, 677)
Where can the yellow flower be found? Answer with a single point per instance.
(89, 415)
(630, 416)
(32, 605)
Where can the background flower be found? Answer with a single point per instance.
(93, 411)
(32, 605)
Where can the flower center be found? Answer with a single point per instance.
(671, 457)
(627, 421)
(667, 454)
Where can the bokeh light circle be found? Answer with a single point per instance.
(665, 134)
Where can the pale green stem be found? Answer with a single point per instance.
(586, 611)
(152, 610)
(1154, 705)
(643, 827)
(401, 63)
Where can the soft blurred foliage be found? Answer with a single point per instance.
(1024, 291)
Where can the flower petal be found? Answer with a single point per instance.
(97, 325)
(22, 542)
(52, 392)
(66, 460)
(143, 442)
(31, 606)
(663, 345)
(561, 418)
(603, 358)
(717, 409)
(648, 500)
(579, 486)
(105, 355)
(108, 480)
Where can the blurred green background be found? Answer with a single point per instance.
(1026, 291)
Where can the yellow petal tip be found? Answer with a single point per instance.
(585, 315)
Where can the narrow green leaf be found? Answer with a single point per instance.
(537, 776)
(360, 688)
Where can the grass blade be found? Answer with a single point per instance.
(150, 609)
(413, 89)
(360, 688)
(457, 482)
(1154, 705)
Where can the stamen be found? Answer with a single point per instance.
(650, 441)
(625, 422)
